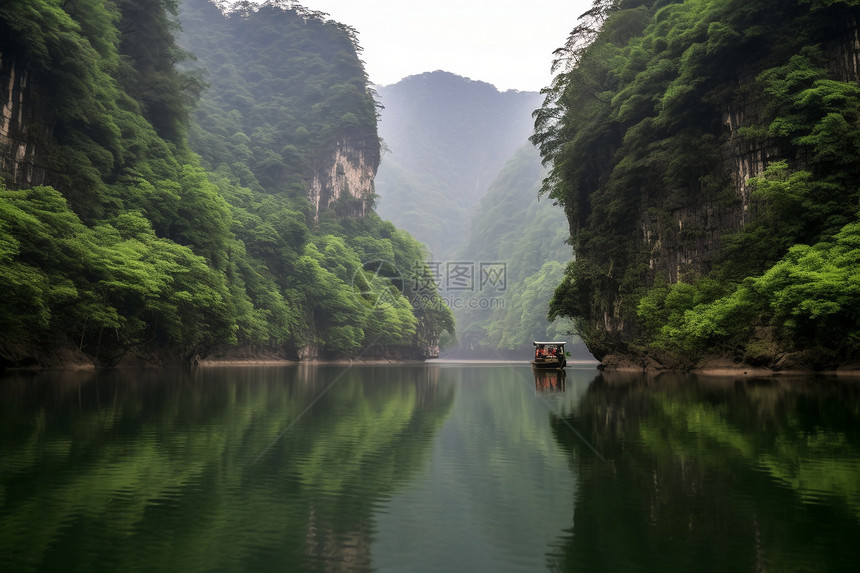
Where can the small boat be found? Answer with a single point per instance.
(549, 355)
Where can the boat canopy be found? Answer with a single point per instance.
(536, 343)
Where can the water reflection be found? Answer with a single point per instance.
(427, 468)
(549, 380)
(713, 474)
(196, 472)
(497, 490)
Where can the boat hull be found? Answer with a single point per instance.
(549, 364)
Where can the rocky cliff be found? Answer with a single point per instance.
(690, 165)
(155, 209)
(24, 124)
(343, 178)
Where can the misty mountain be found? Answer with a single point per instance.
(462, 177)
(522, 239)
(447, 138)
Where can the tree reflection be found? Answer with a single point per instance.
(221, 470)
(713, 474)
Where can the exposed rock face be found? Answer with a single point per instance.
(432, 351)
(679, 235)
(845, 53)
(343, 179)
(308, 352)
(22, 126)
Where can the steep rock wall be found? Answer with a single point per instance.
(24, 126)
(343, 178)
(681, 235)
(844, 53)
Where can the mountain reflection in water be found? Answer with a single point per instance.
(437, 467)
(714, 474)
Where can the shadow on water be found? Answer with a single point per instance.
(713, 474)
(121, 471)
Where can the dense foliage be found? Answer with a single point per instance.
(135, 243)
(285, 86)
(659, 114)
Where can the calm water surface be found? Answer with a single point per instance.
(438, 467)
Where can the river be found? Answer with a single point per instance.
(435, 467)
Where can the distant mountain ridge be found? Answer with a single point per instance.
(462, 177)
(447, 137)
(524, 238)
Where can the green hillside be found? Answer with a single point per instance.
(526, 238)
(118, 240)
(706, 155)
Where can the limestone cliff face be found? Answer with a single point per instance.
(679, 232)
(24, 126)
(680, 235)
(343, 177)
(844, 50)
(683, 234)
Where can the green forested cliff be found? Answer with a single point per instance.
(116, 238)
(285, 89)
(707, 154)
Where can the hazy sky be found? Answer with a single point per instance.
(508, 44)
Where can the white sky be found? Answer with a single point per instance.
(506, 43)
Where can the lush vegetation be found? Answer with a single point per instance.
(286, 85)
(138, 243)
(660, 112)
